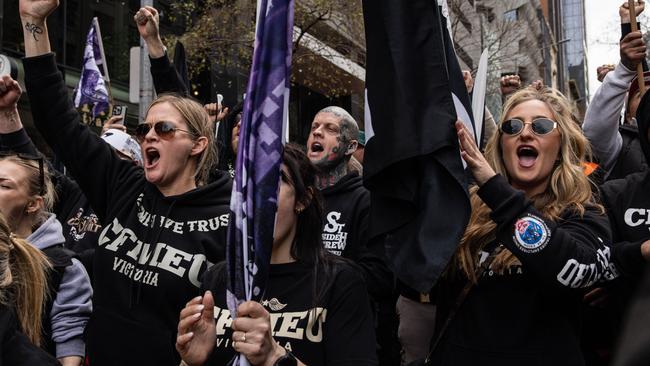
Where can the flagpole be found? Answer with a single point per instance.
(107, 79)
(639, 67)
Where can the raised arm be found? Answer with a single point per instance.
(12, 134)
(603, 115)
(33, 15)
(93, 164)
(164, 74)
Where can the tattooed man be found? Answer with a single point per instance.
(332, 141)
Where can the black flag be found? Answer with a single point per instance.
(412, 165)
(180, 63)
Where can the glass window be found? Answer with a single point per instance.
(510, 15)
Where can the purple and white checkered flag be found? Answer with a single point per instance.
(92, 88)
(257, 173)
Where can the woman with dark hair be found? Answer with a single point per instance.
(164, 224)
(315, 310)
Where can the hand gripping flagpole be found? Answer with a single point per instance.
(639, 67)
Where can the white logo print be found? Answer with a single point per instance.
(274, 304)
(636, 216)
(334, 238)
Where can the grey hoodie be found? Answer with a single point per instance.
(73, 303)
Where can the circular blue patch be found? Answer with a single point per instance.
(531, 234)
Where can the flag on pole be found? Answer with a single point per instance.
(412, 167)
(257, 171)
(478, 97)
(180, 63)
(92, 89)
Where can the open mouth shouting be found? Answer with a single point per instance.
(315, 149)
(151, 157)
(527, 156)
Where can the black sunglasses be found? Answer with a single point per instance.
(164, 129)
(540, 126)
(41, 166)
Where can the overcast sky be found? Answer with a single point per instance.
(603, 33)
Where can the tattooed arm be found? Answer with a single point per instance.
(33, 15)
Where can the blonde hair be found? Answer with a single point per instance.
(198, 123)
(23, 281)
(568, 188)
(33, 183)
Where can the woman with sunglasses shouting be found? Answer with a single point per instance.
(163, 225)
(536, 240)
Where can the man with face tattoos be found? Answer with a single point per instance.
(346, 203)
(332, 141)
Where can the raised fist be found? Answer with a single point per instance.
(147, 20)
(9, 93)
(510, 84)
(603, 70)
(36, 10)
(624, 10)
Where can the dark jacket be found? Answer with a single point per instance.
(529, 314)
(15, 347)
(628, 203)
(153, 249)
(346, 207)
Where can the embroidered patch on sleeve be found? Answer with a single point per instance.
(531, 234)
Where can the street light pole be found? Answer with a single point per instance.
(146, 84)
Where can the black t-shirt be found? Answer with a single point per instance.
(337, 330)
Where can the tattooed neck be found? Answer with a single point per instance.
(330, 177)
(33, 29)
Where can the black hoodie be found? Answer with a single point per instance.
(627, 200)
(152, 251)
(346, 208)
(529, 314)
(345, 232)
(628, 203)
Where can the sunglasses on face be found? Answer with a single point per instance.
(540, 126)
(165, 130)
(41, 168)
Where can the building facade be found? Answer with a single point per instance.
(69, 25)
(516, 35)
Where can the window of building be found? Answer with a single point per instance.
(510, 15)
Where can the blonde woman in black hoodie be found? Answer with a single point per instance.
(162, 225)
(535, 223)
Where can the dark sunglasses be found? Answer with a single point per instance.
(41, 167)
(540, 126)
(165, 130)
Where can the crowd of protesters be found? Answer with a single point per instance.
(121, 260)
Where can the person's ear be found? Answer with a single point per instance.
(200, 144)
(305, 201)
(34, 205)
(352, 147)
